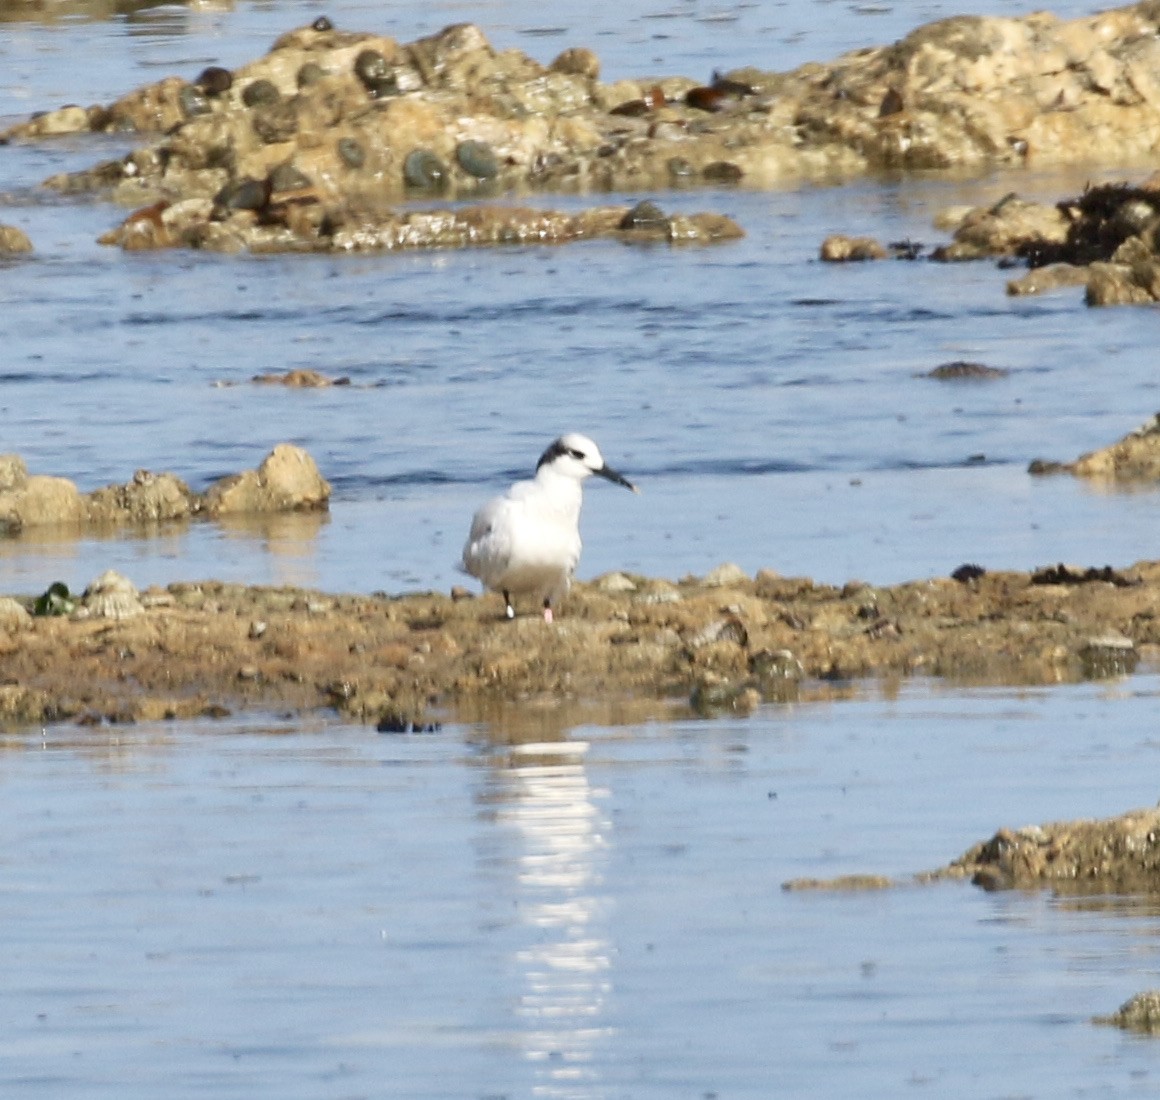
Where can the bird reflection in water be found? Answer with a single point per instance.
(545, 803)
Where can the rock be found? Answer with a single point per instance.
(40, 500)
(13, 241)
(110, 596)
(299, 379)
(1136, 457)
(23, 706)
(726, 575)
(1120, 285)
(614, 582)
(577, 61)
(1005, 228)
(842, 883)
(13, 615)
(307, 226)
(287, 480)
(729, 629)
(13, 473)
(1114, 855)
(842, 249)
(1108, 655)
(148, 498)
(959, 371)
(1140, 1013)
(1040, 280)
(64, 120)
(961, 93)
(792, 639)
(714, 695)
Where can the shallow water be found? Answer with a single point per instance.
(563, 905)
(319, 910)
(769, 406)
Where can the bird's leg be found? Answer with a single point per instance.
(547, 610)
(509, 611)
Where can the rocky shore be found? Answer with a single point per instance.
(718, 644)
(1106, 240)
(287, 480)
(308, 146)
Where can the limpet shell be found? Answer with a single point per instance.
(193, 101)
(260, 93)
(350, 152)
(310, 73)
(276, 123)
(243, 195)
(376, 75)
(215, 80)
(645, 215)
(288, 178)
(424, 171)
(722, 171)
(477, 159)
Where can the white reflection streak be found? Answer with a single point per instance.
(566, 975)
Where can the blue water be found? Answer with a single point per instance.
(769, 406)
(319, 910)
(560, 906)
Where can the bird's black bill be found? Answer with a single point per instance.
(612, 475)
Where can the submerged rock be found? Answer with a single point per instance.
(960, 371)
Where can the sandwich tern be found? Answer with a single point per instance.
(527, 541)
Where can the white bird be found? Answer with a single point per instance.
(527, 542)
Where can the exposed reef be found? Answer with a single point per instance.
(1115, 855)
(286, 481)
(295, 225)
(356, 115)
(718, 644)
(1135, 458)
(1106, 239)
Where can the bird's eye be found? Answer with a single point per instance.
(576, 454)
